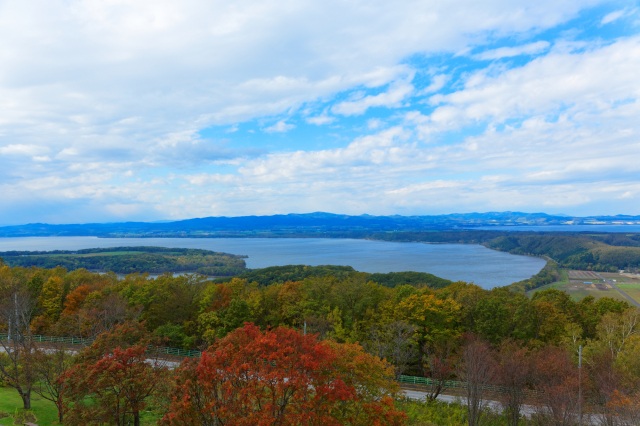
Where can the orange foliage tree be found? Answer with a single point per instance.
(281, 377)
(625, 407)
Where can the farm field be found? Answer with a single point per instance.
(580, 291)
(580, 284)
(632, 289)
(629, 283)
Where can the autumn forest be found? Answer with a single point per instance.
(332, 348)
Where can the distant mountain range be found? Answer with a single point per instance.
(310, 224)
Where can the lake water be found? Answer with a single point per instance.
(457, 262)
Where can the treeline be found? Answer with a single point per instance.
(586, 252)
(547, 275)
(282, 274)
(192, 311)
(128, 260)
(439, 333)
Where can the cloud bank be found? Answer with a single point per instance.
(113, 110)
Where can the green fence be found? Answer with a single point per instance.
(80, 341)
(190, 353)
(184, 353)
(454, 384)
(425, 381)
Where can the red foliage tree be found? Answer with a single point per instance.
(114, 389)
(113, 379)
(555, 377)
(514, 372)
(440, 359)
(478, 371)
(279, 377)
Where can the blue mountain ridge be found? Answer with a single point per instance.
(306, 223)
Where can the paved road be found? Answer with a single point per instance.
(159, 362)
(527, 410)
(626, 296)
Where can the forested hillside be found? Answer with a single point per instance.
(599, 252)
(587, 251)
(351, 323)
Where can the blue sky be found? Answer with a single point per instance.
(112, 110)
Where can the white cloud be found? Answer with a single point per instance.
(616, 15)
(437, 82)
(508, 52)
(279, 127)
(576, 82)
(320, 120)
(374, 124)
(393, 97)
(364, 155)
(21, 149)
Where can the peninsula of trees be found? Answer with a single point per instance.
(127, 260)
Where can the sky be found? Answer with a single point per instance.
(119, 110)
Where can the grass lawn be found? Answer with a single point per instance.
(628, 283)
(632, 289)
(45, 411)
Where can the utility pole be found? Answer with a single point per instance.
(580, 385)
(15, 306)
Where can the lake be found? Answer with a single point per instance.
(457, 262)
